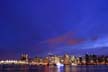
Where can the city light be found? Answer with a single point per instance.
(60, 61)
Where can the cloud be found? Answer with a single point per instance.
(69, 40)
(64, 40)
(94, 38)
(98, 43)
(75, 41)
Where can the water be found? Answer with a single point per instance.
(34, 68)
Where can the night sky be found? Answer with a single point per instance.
(37, 27)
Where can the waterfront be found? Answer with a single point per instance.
(41, 68)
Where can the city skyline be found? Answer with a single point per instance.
(56, 60)
(59, 26)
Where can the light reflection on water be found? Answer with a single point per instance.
(67, 68)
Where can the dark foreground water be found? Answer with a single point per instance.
(31, 68)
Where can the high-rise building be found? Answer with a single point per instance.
(66, 59)
(24, 57)
(57, 59)
(51, 58)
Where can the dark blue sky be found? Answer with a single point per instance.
(29, 26)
